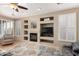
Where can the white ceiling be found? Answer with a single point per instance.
(33, 8)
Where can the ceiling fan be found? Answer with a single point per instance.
(16, 7)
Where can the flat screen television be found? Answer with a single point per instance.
(47, 31)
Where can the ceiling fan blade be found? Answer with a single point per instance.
(22, 7)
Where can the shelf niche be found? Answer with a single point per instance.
(46, 18)
(25, 38)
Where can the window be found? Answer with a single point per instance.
(67, 27)
(6, 27)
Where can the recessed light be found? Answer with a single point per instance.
(39, 9)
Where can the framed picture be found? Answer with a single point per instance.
(33, 24)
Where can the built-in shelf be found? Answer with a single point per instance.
(47, 18)
(25, 35)
(47, 29)
(48, 41)
(25, 32)
(25, 29)
(47, 38)
(25, 21)
(25, 26)
(44, 22)
(25, 38)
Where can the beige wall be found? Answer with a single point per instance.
(55, 15)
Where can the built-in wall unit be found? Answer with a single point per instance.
(55, 29)
(61, 27)
(26, 26)
(47, 29)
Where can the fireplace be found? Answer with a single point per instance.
(33, 37)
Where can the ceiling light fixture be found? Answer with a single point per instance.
(12, 5)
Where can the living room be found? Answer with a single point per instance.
(39, 29)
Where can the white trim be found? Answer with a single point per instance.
(66, 32)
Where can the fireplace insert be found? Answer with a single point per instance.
(33, 37)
